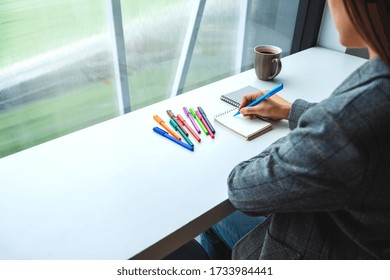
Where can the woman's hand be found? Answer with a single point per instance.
(275, 107)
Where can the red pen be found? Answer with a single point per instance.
(204, 123)
(172, 116)
(183, 122)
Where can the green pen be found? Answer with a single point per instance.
(177, 128)
(195, 116)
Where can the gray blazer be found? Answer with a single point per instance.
(327, 182)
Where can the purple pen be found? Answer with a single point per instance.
(191, 119)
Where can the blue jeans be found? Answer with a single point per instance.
(219, 240)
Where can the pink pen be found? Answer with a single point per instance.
(204, 123)
(188, 114)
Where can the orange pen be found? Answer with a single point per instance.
(162, 123)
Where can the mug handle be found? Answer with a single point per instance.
(278, 67)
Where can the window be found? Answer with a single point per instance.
(154, 32)
(231, 29)
(66, 65)
(56, 70)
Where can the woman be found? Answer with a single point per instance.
(326, 185)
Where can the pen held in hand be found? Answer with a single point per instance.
(263, 97)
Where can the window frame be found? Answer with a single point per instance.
(308, 24)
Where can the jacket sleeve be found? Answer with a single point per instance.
(314, 168)
(297, 109)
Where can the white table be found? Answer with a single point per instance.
(117, 190)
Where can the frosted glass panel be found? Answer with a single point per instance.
(57, 57)
(218, 47)
(271, 22)
(154, 35)
(56, 70)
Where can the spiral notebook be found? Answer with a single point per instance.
(234, 98)
(249, 129)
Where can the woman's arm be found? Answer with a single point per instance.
(315, 167)
(275, 108)
(297, 109)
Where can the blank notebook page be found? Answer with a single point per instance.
(248, 129)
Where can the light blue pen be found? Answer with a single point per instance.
(265, 96)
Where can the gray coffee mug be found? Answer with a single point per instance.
(267, 62)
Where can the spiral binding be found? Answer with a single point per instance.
(226, 112)
(230, 101)
(232, 109)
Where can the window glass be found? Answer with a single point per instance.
(154, 34)
(218, 48)
(270, 23)
(56, 70)
(57, 57)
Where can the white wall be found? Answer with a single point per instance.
(329, 37)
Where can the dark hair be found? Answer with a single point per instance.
(371, 19)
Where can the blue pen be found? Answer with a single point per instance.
(265, 96)
(166, 135)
